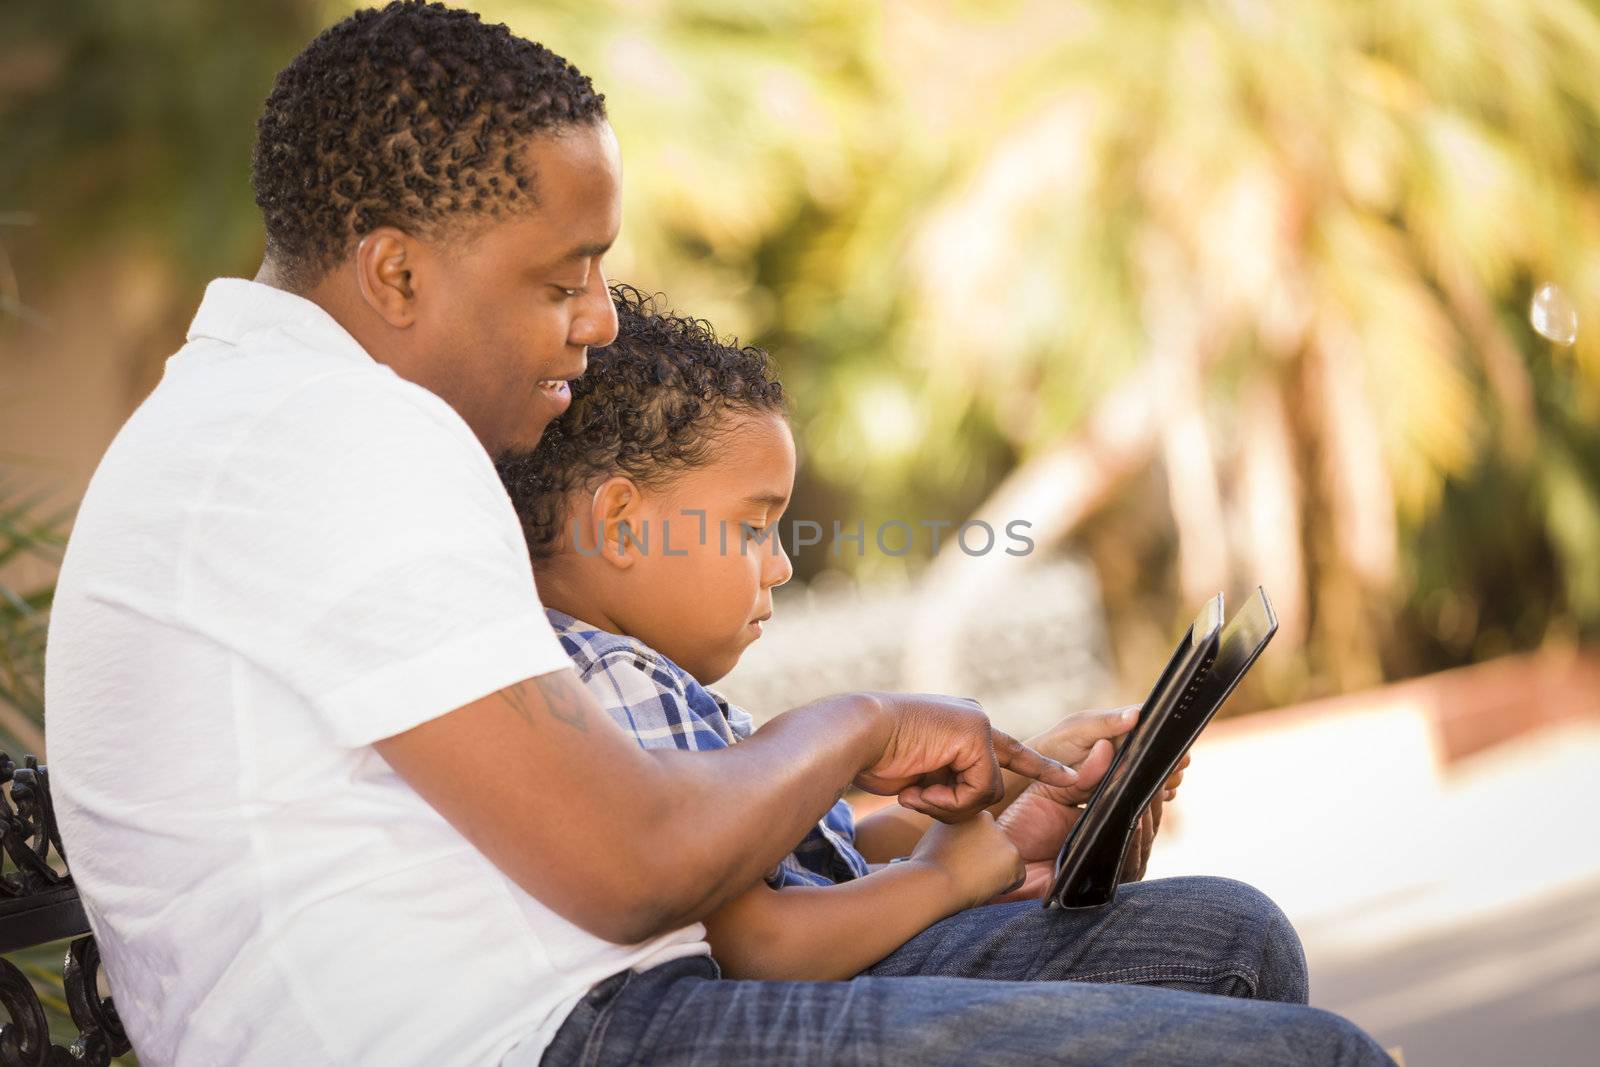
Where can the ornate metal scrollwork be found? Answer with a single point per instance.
(25, 1040)
(28, 830)
(38, 905)
(100, 1033)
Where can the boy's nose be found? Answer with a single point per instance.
(780, 570)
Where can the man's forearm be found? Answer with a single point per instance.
(753, 801)
(628, 843)
(624, 842)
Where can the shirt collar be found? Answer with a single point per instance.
(234, 308)
(739, 721)
(562, 623)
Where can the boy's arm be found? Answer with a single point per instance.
(890, 832)
(829, 933)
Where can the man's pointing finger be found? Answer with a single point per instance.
(1015, 756)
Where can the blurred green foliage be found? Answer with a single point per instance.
(963, 227)
(27, 533)
(134, 122)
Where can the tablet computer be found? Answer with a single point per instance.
(1206, 667)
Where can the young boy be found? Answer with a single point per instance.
(650, 510)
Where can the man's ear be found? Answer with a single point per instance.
(384, 261)
(616, 522)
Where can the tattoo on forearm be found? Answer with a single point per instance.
(560, 701)
(514, 696)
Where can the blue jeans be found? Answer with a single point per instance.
(1137, 982)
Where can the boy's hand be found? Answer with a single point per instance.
(943, 757)
(1082, 734)
(979, 859)
(1137, 858)
(1083, 740)
(1038, 820)
(1037, 824)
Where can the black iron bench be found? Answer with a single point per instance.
(39, 905)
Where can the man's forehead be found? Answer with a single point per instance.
(577, 196)
(546, 238)
(578, 162)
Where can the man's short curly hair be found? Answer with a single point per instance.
(404, 116)
(650, 407)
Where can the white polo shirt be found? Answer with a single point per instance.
(288, 553)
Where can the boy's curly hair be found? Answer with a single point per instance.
(413, 116)
(649, 407)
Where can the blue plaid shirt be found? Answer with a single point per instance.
(663, 706)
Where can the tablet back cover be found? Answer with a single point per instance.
(1091, 856)
(1085, 876)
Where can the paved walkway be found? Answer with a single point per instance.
(1453, 912)
(1521, 988)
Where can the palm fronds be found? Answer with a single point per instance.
(32, 538)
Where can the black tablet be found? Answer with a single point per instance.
(1202, 672)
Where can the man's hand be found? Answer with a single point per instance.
(944, 758)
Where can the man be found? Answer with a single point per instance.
(332, 794)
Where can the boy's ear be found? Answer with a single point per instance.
(615, 523)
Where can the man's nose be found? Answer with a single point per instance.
(595, 324)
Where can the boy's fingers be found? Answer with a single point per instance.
(1016, 756)
(1093, 768)
(1175, 779)
(1108, 722)
(1138, 856)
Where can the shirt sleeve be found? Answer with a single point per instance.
(357, 543)
(841, 819)
(740, 722)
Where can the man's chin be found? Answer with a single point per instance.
(522, 446)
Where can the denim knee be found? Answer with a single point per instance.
(1323, 1037)
(1266, 935)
